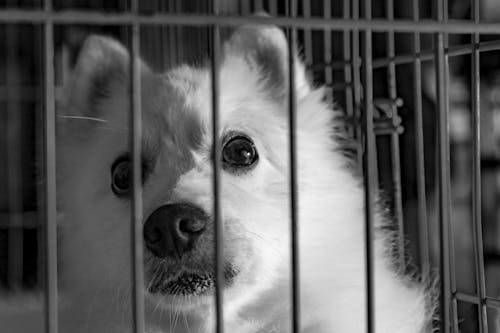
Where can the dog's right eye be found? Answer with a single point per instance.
(120, 177)
(239, 152)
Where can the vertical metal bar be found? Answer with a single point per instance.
(369, 170)
(136, 211)
(65, 67)
(395, 156)
(218, 222)
(451, 245)
(477, 230)
(292, 114)
(327, 57)
(51, 313)
(423, 232)
(179, 34)
(346, 49)
(164, 39)
(245, 7)
(308, 48)
(38, 47)
(14, 163)
(443, 172)
(258, 5)
(173, 41)
(356, 66)
(273, 6)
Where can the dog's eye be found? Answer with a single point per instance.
(239, 152)
(120, 176)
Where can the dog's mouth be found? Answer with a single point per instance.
(189, 283)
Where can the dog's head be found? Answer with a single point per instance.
(177, 170)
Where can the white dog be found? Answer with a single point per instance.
(95, 199)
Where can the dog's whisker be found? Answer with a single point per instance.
(93, 119)
(157, 306)
(176, 317)
(268, 241)
(186, 322)
(155, 271)
(82, 118)
(170, 320)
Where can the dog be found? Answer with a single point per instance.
(95, 197)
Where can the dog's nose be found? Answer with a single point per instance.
(173, 229)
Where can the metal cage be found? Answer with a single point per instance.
(344, 32)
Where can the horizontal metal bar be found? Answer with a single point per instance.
(403, 59)
(474, 299)
(337, 86)
(32, 93)
(463, 297)
(453, 51)
(335, 65)
(102, 18)
(492, 302)
(458, 50)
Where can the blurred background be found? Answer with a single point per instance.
(404, 89)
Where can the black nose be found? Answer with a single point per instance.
(173, 229)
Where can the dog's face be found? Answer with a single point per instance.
(178, 226)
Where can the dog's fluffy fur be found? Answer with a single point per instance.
(95, 266)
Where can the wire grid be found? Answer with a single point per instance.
(357, 27)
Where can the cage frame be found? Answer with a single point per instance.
(351, 24)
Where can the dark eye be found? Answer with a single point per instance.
(120, 176)
(239, 152)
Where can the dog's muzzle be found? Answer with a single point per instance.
(173, 230)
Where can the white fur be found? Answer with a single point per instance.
(95, 230)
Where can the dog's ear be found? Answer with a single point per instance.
(266, 48)
(101, 70)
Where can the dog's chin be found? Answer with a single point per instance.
(188, 288)
(180, 303)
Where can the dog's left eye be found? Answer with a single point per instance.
(121, 174)
(120, 177)
(239, 152)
